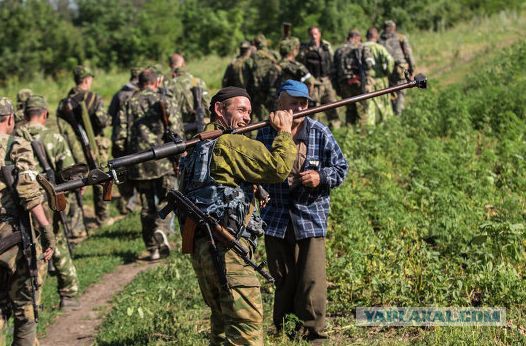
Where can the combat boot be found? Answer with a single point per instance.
(162, 241)
(69, 304)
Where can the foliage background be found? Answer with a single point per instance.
(50, 36)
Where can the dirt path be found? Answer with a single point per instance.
(80, 327)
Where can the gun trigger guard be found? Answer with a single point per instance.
(115, 176)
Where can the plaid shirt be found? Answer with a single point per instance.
(307, 208)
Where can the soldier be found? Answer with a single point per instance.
(398, 46)
(236, 73)
(140, 127)
(58, 157)
(125, 188)
(290, 68)
(183, 86)
(316, 55)
(16, 281)
(379, 64)
(90, 114)
(263, 74)
(21, 97)
(222, 185)
(349, 74)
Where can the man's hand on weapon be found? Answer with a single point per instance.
(47, 254)
(281, 121)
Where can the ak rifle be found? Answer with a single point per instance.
(116, 166)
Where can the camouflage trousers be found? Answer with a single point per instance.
(355, 113)
(324, 93)
(397, 78)
(237, 311)
(75, 217)
(378, 109)
(68, 282)
(101, 207)
(15, 292)
(152, 194)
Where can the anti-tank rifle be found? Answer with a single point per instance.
(116, 167)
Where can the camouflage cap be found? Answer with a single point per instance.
(245, 45)
(353, 33)
(36, 102)
(260, 41)
(23, 95)
(389, 23)
(6, 107)
(287, 45)
(157, 68)
(80, 72)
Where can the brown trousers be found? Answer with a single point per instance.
(298, 266)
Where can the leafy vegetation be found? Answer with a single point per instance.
(432, 214)
(47, 37)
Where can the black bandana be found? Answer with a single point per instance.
(225, 94)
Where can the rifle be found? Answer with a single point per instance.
(216, 232)
(361, 68)
(28, 242)
(50, 175)
(117, 165)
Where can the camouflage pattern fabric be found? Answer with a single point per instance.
(59, 157)
(180, 88)
(379, 66)
(236, 73)
(15, 291)
(398, 46)
(140, 128)
(99, 120)
(318, 61)
(21, 98)
(263, 75)
(237, 313)
(291, 69)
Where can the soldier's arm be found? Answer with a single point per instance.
(59, 150)
(388, 59)
(249, 160)
(176, 118)
(101, 116)
(408, 53)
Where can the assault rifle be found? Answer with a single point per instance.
(116, 166)
(215, 232)
(24, 228)
(38, 149)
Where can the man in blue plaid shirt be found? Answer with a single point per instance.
(296, 217)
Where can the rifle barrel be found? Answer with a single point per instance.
(171, 149)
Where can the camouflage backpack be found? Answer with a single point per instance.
(264, 71)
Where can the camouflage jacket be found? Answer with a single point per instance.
(120, 98)
(294, 70)
(379, 63)
(318, 60)
(236, 73)
(140, 127)
(97, 113)
(21, 155)
(181, 89)
(57, 151)
(398, 46)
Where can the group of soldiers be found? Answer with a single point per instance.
(152, 109)
(384, 59)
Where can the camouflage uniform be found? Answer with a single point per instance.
(15, 286)
(21, 98)
(318, 61)
(290, 68)
(59, 157)
(180, 88)
(348, 60)
(398, 46)
(379, 65)
(263, 74)
(119, 99)
(237, 311)
(99, 120)
(140, 127)
(236, 73)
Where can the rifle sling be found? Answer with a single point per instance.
(10, 241)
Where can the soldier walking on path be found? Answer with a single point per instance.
(218, 176)
(119, 99)
(316, 55)
(141, 126)
(22, 272)
(58, 157)
(88, 112)
(398, 46)
(379, 66)
(236, 73)
(190, 93)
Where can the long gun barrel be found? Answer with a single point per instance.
(97, 176)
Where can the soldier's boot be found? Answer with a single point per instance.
(163, 244)
(122, 206)
(69, 304)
